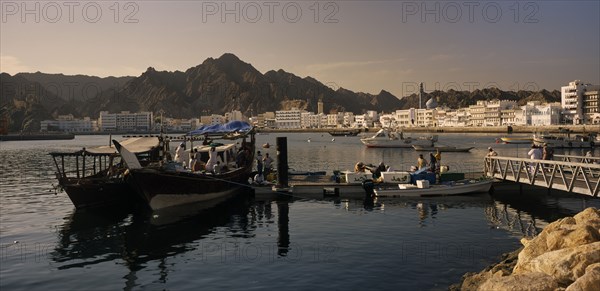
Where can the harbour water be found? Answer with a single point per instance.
(296, 243)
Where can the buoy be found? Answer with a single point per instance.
(308, 139)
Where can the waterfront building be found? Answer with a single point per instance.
(212, 119)
(404, 118)
(477, 114)
(361, 121)
(348, 119)
(387, 120)
(234, 115)
(546, 114)
(425, 117)
(262, 118)
(578, 107)
(68, 123)
(176, 124)
(335, 119)
(288, 119)
(125, 121)
(591, 107)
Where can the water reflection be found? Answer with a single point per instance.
(93, 237)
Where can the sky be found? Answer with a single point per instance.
(363, 46)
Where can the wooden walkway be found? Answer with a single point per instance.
(575, 174)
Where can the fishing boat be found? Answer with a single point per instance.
(344, 132)
(166, 184)
(563, 141)
(94, 177)
(461, 187)
(385, 138)
(516, 140)
(442, 148)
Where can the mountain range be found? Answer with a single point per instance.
(216, 86)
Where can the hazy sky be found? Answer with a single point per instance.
(359, 45)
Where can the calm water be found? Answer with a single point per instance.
(295, 243)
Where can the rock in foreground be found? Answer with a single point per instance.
(564, 256)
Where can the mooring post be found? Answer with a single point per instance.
(282, 162)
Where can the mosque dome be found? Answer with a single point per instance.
(431, 104)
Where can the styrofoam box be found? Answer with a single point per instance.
(423, 184)
(406, 186)
(396, 177)
(357, 178)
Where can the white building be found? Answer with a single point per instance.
(591, 107)
(173, 124)
(235, 115)
(360, 121)
(335, 119)
(578, 107)
(68, 123)
(125, 121)
(288, 119)
(546, 114)
(348, 119)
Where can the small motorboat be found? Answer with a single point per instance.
(461, 187)
(517, 140)
(385, 138)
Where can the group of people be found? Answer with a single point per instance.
(194, 162)
(264, 165)
(434, 161)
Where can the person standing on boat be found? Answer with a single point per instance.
(180, 154)
(268, 164)
(212, 159)
(217, 168)
(421, 163)
(377, 172)
(438, 158)
(259, 163)
(192, 161)
(359, 167)
(432, 163)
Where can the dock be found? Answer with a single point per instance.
(573, 174)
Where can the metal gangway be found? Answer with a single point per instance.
(575, 174)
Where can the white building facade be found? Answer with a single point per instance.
(579, 107)
(125, 121)
(67, 123)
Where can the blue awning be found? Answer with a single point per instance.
(230, 127)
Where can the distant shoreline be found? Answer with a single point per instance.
(488, 129)
(503, 130)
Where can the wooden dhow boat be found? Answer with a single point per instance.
(94, 177)
(167, 183)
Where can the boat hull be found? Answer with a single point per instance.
(88, 193)
(516, 140)
(562, 143)
(160, 189)
(343, 133)
(437, 190)
(396, 143)
(442, 149)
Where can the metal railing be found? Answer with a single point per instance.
(573, 174)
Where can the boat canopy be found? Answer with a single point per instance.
(137, 145)
(230, 127)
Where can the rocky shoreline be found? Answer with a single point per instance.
(564, 256)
